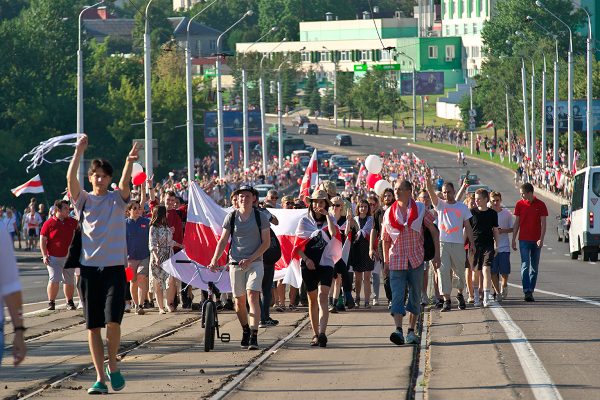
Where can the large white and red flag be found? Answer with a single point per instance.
(311, 176)
(362, 175)
(306, 230)
(203, 229)
(34, 185)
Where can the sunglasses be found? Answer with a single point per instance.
(289, 203)
(337, 205)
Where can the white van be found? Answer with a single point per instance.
(584, 233)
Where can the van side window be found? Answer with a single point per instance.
(578, 189)
(596, 183)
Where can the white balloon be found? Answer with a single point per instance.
(380, 186)
(136, 169)
(373, 164)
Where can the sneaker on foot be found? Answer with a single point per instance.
(529, 297)
(461, 301)
(51, 306)
(375, 301)
(446, 306)
(340, 307)
(397, 338)
(350, 303)
(253, 343)
(477, 303)
(424, 299)
(439, 303)
(470, 300)
(504, 292)
(127, 307)
(98, 388)
(367, 305)
(80, 305)
(333, 309)
(245, 339)
(412, 338)
(229, 305)
(71, 305)
(139, 310)
(117, 382)
(322, 340)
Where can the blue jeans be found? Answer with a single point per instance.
(398, 281)
(530, 260)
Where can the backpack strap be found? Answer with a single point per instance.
(232, 223)
(258, 222)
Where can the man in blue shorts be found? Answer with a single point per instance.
(501, 263)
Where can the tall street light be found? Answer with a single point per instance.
(246, 140)
(147, 96)
(220, 132)
(335, 105)
(263, 122)
(524, 101)
(414, 95)
(80, 128)
(190, 97)
(570, 84)
(589, 115)
(533, 136)
(555, 90)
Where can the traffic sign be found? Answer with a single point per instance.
(387, 67)
(472, 126)
(472, 112)
(361, 67)
(210, 72)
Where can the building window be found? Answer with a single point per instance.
(465, 29)
(433, 52)
(475, 52)
(305, 56)
(474, 28)
(212, 44)
(456, 30)
(365, 55)
(386, 54)
(199, 47)
(325, 56)
(447, 30)
(450, 53)
(345, 56)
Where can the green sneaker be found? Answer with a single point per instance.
(412, 338)
(116, 379)
(98, 388)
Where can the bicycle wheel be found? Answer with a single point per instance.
(209, 326)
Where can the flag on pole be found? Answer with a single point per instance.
(490, 124)
(362, 175)
(34, 185)
(311, 176)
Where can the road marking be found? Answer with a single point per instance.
(564, 296)
(227, 389)
(539, 380)
(420, 386)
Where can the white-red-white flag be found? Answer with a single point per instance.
(489, 124)
(362, 175)
(311, 176)
(34, 185)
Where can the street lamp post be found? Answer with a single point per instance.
(335, 106)
(147, 97)
(190, 98)
(471, 114)
(508, 125)
(80, 128)
(570, 84)
(525, 116)
(543, 115)
(414, 95)
(245, 101)
(220, 131)
(533, 148)
(263, 122)
(589, 115)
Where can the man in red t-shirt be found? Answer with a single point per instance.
(530, 226)
(55, 238)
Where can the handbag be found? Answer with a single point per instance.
(76, 246)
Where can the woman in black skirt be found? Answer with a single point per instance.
(360, 262)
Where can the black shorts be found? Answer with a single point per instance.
(484, 256)
(32, 232)
(320, 275)
(103, 292)
(340, 268)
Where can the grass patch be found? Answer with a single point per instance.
(483, 156)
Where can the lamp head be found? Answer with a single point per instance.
(303, 48)
(508, 42)
(249, 13)
(519, 33)
(529, 18)
(539, 3)
(274, 29)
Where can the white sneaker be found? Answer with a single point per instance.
(80, 305)
(477, 303)
(504, 292)
(487, 302)
(375, 302)
(127, 307)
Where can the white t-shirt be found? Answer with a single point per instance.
(9, 274)
(505, 221)
(450, 221)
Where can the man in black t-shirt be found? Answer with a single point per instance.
(485, 233)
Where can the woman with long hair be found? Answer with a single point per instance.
(161, 249)
(341, 278)
(319, 248)
(360, 262)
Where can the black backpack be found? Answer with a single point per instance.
(273, 253)
(428, 245)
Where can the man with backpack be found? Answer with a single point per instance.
(250, 238)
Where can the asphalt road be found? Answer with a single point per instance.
(563, 331)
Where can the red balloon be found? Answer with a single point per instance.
(139, 178)
(129, 274)
(299, 181)
(372, 179)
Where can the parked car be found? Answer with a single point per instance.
(471, 179)
(473, 188)
(298, 120)
(342, 140)
(308, 129)
(263, 189)
(564, 223)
